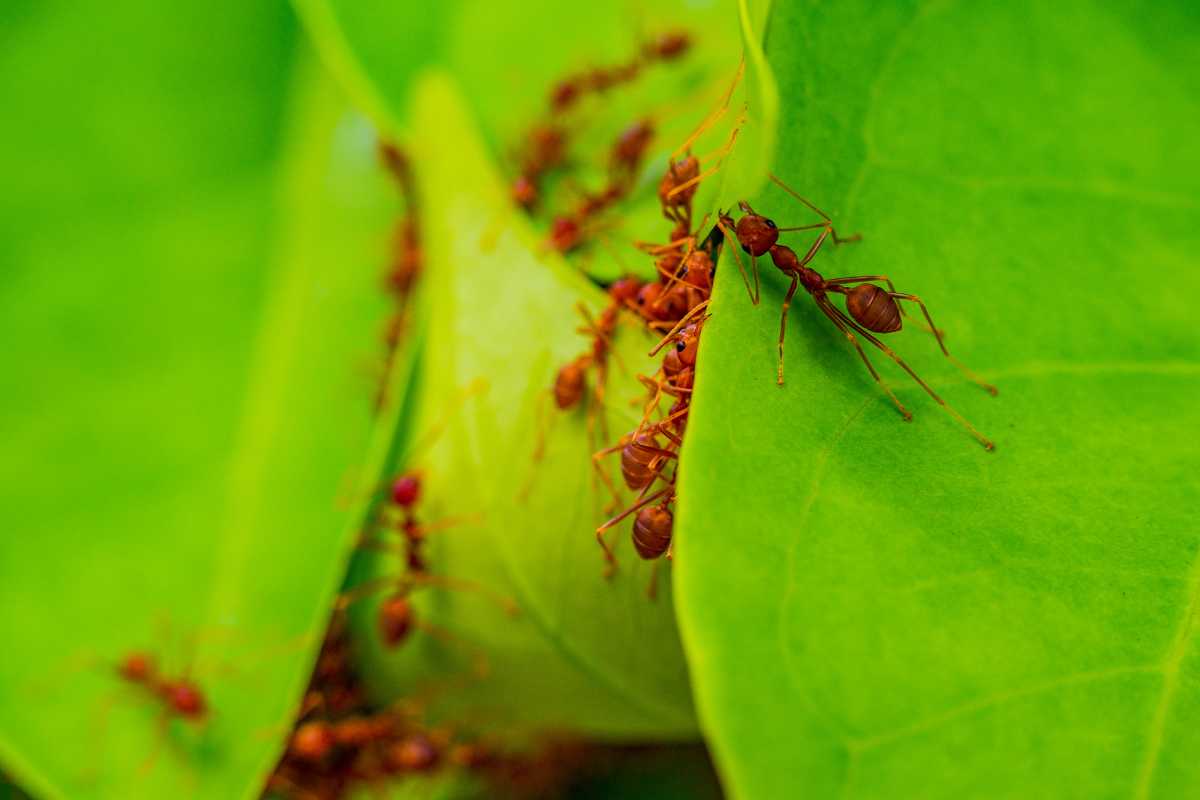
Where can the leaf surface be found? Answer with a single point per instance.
(878, 609)
(169, 491)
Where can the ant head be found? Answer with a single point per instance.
(406, 489)
(312, 741)
(186, 699)
(395, 620)
(524, 192)
(756, 234)
(624, 290)
(687, 342)
(136, 667)
(414, 753)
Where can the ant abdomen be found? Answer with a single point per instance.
(185, 699)
(395, 620)
(569, 385)
(312, 741)
(636, 460)
(873, 308)
(652, 531)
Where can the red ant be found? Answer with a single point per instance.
(396, 616)
(679, 183)
(872, 309)
(568, 231)
(406, 247)
(571, 380)
(407, 259)
(180, 697)
(668, 46)
(546, 148)
(643, 459)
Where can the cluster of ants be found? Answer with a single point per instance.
(545, 146)
(674, 302)
(339, 741)
(677, 301)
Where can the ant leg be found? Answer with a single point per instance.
(598, 468)
(363, 590)
(163, 731)
(827, 308)
(642, 501)
(912, 298)
(652, 587)
(713, 116)
(733, 248)
(420, 532)
(507, 604)
(856, 237)
(444, 636)
(983, 440)
(787, 301)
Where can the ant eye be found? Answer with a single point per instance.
(769, 222)
(680, 346)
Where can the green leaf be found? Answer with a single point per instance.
(874, 608)
(157, 473)
(503, 319)
(508, 60)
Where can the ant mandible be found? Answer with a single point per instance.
(872, 309)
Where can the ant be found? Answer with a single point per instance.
(871, 309)
(180, 697)
(676, 376)
(679, 183)
(568, 231)
(642, 462)
(407, 259)
(571, 380)
(546, 148)
(396, 616)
